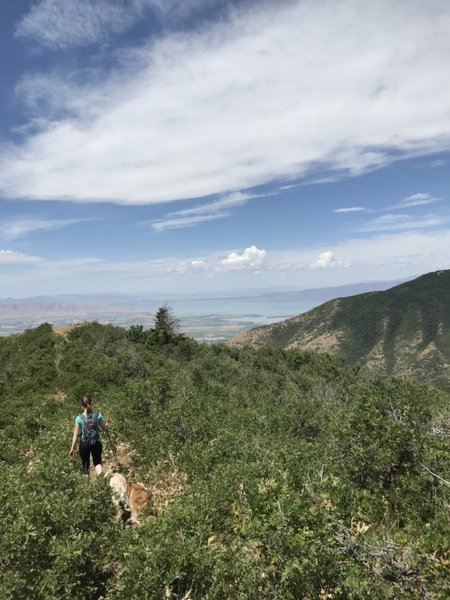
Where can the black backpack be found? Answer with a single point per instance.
(89, 429)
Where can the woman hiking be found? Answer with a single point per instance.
(87, 429)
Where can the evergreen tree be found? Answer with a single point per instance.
(135, 333)
(166, 326)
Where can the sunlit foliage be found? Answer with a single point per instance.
(273, 474)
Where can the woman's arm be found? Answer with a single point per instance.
(76, 433)
(103, 424)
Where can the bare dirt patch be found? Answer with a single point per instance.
(118, 456)
(165, 483)
(64, 330)
(324, 342)
(375, 360)
(60, 396)
(33, 459)
(430, 349)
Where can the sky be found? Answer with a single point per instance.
(183, 146)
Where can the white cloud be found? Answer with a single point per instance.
(396, 221)
(21, 227)
(437, 163)
(251, 257)
(178, 9)
(327, 260)
(61, 24)
(198, 264)
(418, 200)
(229, 201)
(350, 209)
(190, 217)
(184, 222)
(275, 91)
(65, 23)
(13, 257)
(382, 257)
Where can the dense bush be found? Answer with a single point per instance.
(273, 474)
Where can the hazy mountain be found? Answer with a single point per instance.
(110, 300)
(323, 294)
(402, 331)
(47, 308)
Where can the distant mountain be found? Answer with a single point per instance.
(46, 309)
(268, 294)
(320, 295)
(402, 331)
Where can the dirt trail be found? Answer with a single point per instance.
(61, 333)
(164, 481)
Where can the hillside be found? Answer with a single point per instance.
(272, 474)
(401, 331)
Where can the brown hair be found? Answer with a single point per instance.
(86, 403)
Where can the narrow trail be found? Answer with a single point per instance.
(61, 339)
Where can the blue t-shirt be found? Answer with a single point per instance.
(79, 421)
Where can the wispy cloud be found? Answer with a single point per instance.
(176, 10)
(13, 257)
(189, 217)
(60, 24)
(350, 209)
(275, 91)
(412, 201)
(184, 222)
(419, 199)
(22, 227)
(396, 221)
(437, 163)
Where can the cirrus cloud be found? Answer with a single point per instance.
(275, 91)
(60, 24)
(419, 199)
(13, 257)
(350, 209)
(396, 221)
(12, 230)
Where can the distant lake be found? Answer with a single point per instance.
(204, 319)
(236, 309)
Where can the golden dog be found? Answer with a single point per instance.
(137, 501)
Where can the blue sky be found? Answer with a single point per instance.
(194, 145)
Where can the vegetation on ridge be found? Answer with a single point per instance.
(401, 331)
(273, 474)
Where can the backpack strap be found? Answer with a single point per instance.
(82, 425)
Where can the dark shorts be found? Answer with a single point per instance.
(85, 452)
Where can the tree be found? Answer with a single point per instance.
(135, 333)
(166, 326)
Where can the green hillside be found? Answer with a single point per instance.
(273, 474)
(402, 331)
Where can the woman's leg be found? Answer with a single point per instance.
(97, 457)
(85, 457)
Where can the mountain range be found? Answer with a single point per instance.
(110, 301)
(404, 330)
